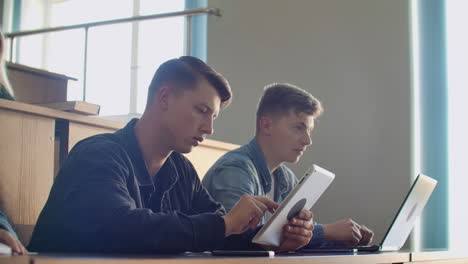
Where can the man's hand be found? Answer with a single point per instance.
(367, 236)
(247, 213)
(296, 233)
(349, 232)
(8, 239)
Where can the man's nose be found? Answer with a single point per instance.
(207, 127)
(307, 140)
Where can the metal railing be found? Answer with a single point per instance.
(86, 26)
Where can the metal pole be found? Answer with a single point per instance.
(188, 35)
(191, 12)
(85, 62)
(134, 60)
(11, 48)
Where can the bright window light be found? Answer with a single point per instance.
(69, 12)
(108, 78)
(416, 114)
(457, 65)
(110, 65)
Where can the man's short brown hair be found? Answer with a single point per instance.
(280, 98)
(186, 71)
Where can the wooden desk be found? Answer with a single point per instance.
(206, 258)
(33, 142)
(15, 259)
(439, 257)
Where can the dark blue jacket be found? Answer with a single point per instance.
(103, 200)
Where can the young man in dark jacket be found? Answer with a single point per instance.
(133, 192)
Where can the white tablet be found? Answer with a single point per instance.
(309, 189)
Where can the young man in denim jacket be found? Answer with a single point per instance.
(285, 120)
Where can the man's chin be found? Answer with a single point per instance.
(295, 159)
(185, 149)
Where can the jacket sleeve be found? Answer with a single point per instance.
(234, 242)
(92, 210)
(4, 224)
(203, 202)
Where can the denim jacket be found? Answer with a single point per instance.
(245, 171)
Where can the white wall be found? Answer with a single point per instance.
(355, 57)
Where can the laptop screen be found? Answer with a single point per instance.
(409, 212)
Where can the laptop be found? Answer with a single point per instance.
(402, 224)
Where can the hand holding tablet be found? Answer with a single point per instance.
(312, 185)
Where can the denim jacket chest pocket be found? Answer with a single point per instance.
(252, 172)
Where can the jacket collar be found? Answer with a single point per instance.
(261, 165)
(129, 140)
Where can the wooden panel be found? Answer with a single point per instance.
(52, 113)
(37, 86)
(26, 165)
(78, 107)
(206, 154)
(78, 132)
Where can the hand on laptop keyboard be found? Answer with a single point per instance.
(348, 232)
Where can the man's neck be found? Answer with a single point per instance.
(151, 142)
(272, 162)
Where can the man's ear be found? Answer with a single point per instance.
(162, 97)
(264, 124)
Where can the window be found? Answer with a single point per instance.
(121, 58)
(440, 61)
(159, 40)
(457, 83)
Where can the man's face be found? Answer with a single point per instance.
(290, 135)
(191, 114)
